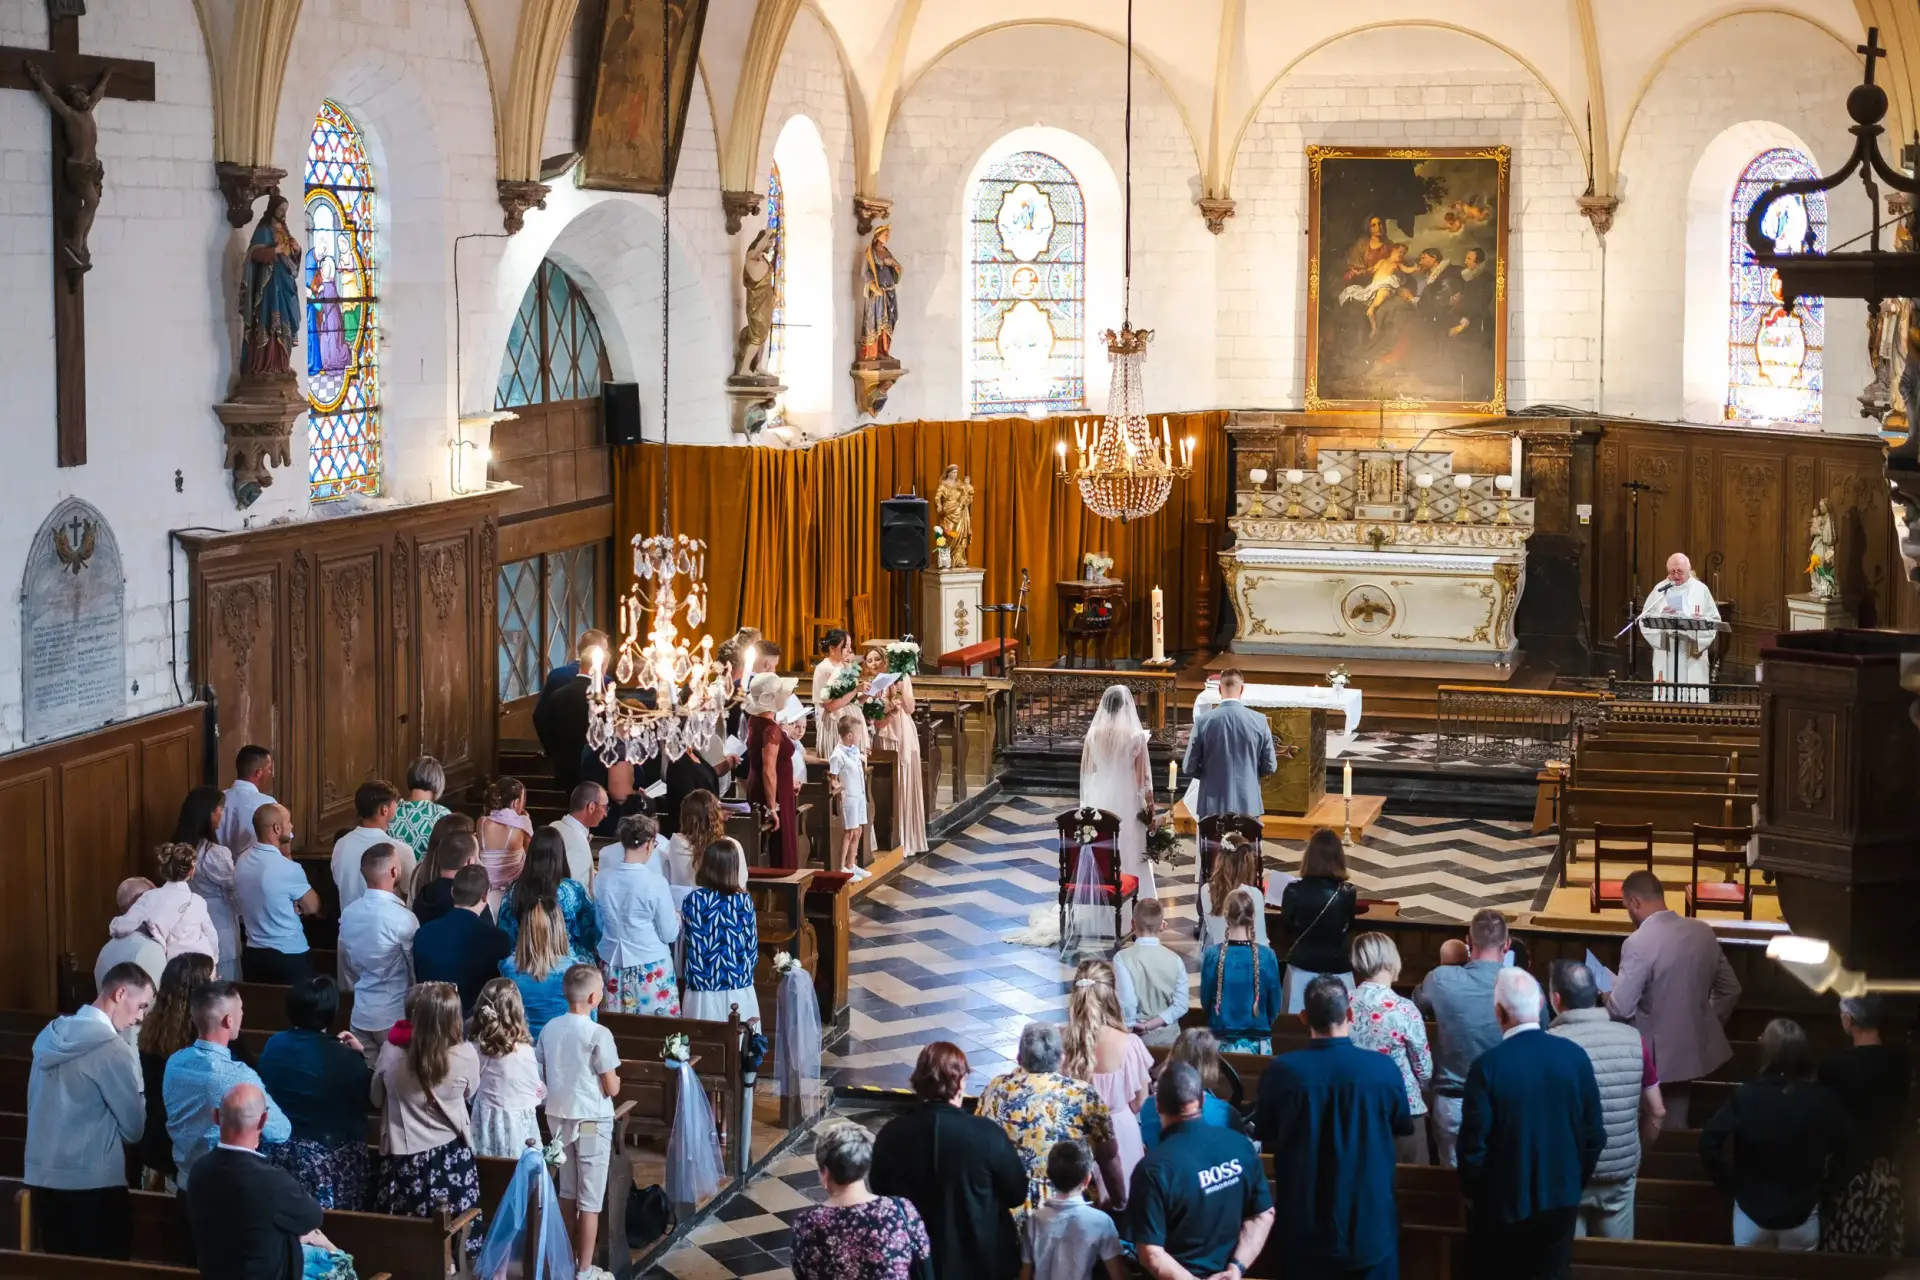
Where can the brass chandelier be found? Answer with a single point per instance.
(660, 692)
(1122, 472)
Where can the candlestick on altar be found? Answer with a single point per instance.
(1513, 469)
(1346, 835)
(1159, 627)
(1173, 778)
(1346, 780)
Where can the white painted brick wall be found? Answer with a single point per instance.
(1752, 67)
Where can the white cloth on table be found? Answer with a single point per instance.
(1346, 700)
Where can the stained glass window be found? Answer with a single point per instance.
(554, 349)
(1028, 303)
(777, 223)
(1773, 351)
(343, 384)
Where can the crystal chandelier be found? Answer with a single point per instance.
(1123, 473)
(665, 695)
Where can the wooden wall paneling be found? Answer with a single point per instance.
(353, 724)
(240, 655)
(100, 832)
(447, 605)
(1753, 521)
(1867, 560)
(403, 615)
(169, 768)
(26, 885)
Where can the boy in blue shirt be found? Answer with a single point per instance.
(1066, 1236)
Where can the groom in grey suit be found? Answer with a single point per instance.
(1229, 752)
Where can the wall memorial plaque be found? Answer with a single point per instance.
(73, 626)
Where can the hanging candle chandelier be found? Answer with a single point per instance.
(659, 692)
(1124, 473)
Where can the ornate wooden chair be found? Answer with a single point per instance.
(1210, 832)
(1726, 848)
(1624, 842)
(1098, 832)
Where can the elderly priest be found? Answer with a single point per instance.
(1680, 656)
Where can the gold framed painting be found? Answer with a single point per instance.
(623, 143)
(1407, 278)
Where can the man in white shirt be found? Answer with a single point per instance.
(375, 803)
(252, 775)
(586, 809)
(376, 950)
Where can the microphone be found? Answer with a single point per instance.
(1666, 586)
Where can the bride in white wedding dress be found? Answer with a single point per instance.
(1115, 775)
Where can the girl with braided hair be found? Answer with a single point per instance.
(1240, 984)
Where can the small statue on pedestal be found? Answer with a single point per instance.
(1821, 546)
(953, 507)
(751, 389)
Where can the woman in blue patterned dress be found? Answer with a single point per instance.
(543, 882)
(855, 1235)
(722, 937)
(322, 1084)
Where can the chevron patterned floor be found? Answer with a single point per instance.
(930, 960)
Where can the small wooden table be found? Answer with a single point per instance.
(1089, 613)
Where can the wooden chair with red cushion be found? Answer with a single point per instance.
(1624, 842)
(1210, 831)
(1726, 848)
(1098, 833)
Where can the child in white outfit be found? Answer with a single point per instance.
(510, 1086)
(849, 769)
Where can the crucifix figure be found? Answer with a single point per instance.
(72, 84)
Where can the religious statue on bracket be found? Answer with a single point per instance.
(1822, 544)
(953, 509)
(875, 370)
(259, 412)
(78, 189)
(751, 388)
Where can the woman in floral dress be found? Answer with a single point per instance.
(1385, 1023)
(543, 886)
(1037, 1107)
(855, 1235)
(423, 1089)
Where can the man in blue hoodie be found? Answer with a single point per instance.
(84, 1104)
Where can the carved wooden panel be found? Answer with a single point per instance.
(347, 661)
(353, 665)
(447, 648)
(1748, 533)
(242, 644)
(101, 842)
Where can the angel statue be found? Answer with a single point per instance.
(757, 278)
(953, 505)
(1821, 546)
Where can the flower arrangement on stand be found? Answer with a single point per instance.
(1097, 566)
(942, 549)
(1338, 677)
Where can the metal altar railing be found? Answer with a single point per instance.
(1491, 725)
(1662, 702)
(1054, 706)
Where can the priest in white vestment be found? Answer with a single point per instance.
(1685, 596)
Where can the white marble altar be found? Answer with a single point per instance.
(1427, 572)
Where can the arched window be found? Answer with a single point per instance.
(1774, 351)
(1028, 246)
(777, 224)
(343, 384)
(554, 350)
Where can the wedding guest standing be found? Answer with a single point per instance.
(252, 775)
(426, 1138)
(463, 946)
(376, 949)
(167, 1029)
(172, 914)
(702, 821)
(854, 1234)
(1240, 985)
(545, 886)
(836, 648)
(1317, 910)
(201, 817)
(1871, 1080)
(1101, 1051)
(770, 766)
(638, 926)
(274, 895)
(504, 833)
(320, 1080)
(1385, 1022)
(898, 734)
(448, 851)
(414, 818)
(374, 802)
(723, 938)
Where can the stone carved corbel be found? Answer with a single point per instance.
(242, 185)
(1598, 210)
(1216, 210)
(516, 197)
(739, 206)
(869, 212)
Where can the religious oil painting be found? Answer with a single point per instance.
(630, 99)
(1407, 278)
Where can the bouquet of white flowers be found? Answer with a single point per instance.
(677, 1048)
(903, 656)
(783, 964)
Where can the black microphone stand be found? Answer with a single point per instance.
(1634, 489)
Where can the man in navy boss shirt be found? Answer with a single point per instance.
(1200, 1203)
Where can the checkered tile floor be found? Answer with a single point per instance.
(930, 961)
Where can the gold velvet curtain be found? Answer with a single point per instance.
(794, 536)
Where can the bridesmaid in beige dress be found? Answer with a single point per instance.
(896, 733)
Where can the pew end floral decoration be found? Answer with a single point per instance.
(784, 964)
(677, 1049)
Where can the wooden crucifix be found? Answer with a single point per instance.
(71, 84)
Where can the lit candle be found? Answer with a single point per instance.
(1346, 780)
(1159, 627)
(1513, 468)
(1173, 776)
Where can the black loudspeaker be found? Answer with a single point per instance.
(903, 533)
(622, 403)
